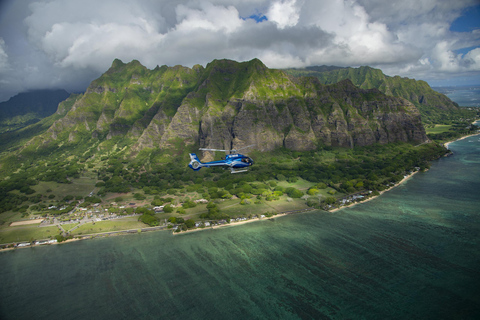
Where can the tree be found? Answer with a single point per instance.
(156, 202)
(189, 204)
(139, 196)
(168, 208)
(329, 200)
(321, 185)
(293, 193)
(190, 223)
(68, 198)
(313, 202)
(149, 219)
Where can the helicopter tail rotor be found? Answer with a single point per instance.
(195, 163)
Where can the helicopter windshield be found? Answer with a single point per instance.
(247, 160)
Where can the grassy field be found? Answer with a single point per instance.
(283, 205)
(79, 187)
(438, 128)
(107, 226)
(299, 184)
(25, 233)
(9, 216)
(234, 209)
(69, 226)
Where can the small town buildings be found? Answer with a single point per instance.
(23, 244)
(158, 209)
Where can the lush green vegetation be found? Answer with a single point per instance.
(437, 128)
(100, 161)
(449, 132)
(319, 177)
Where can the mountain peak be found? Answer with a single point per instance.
(117, 63)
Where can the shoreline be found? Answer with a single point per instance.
(446, 144)
(379, 194)
(232, 224)
(282, 214)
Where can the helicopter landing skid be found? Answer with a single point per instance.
(238, 170)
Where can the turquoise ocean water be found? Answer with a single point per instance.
(465, 96)
(413, 253)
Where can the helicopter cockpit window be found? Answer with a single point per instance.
(246, 160)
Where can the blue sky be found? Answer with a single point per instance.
(468, 21)
(68, 43)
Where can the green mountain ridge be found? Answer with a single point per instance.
(432, 105)
(229, 104)
(29, 107)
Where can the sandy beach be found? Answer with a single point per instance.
(232, 224)
(380, 193)
(470, 135)
(446, 144)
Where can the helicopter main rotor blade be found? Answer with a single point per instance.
(230, 151)
(203, 149)
(236, 150)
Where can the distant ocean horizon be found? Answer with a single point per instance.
(465, 96)
(412, 253)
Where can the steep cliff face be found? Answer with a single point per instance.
(229, 105)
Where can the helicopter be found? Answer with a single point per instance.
(235, 161)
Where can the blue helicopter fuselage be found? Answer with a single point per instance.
(233, 161)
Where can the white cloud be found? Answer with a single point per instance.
(284, 13)
(4, 65)
(90, 38)
(70, 42)
(448, 61)
(208, 17)
(472, 59)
